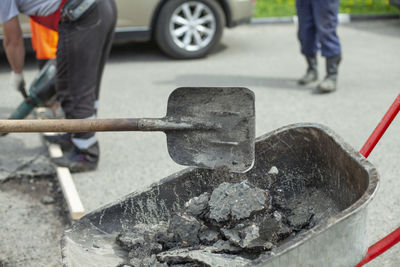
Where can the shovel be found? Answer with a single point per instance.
(205, 127)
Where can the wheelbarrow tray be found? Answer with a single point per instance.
(311, 152)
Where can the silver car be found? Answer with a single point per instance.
(181, 28)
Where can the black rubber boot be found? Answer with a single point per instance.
(312, 72)
(330, 81)
(79, 160)
(63, 140)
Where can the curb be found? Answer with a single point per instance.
(342, 17)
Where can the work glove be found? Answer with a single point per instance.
(17, 82)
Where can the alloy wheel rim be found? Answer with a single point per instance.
(192, 26)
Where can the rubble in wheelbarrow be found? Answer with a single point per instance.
(229, 227)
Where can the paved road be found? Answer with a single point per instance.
(266, 59)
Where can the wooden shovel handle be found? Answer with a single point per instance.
(93, 125)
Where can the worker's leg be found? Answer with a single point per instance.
(107, 43)
(308, 39)
(326, 21)
(326, 15)
(79, 54)
(307, 32)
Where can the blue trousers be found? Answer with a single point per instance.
(317, 27)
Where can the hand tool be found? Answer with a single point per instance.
(205, 127)
(41, 91)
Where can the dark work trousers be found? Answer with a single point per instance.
(83, 48)
(317, 27)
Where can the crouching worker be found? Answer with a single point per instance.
(86, 29)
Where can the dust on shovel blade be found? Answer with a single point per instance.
(229, 227)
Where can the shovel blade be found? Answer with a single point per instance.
(228, 143)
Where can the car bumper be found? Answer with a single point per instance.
(395, 3)
(241, 11)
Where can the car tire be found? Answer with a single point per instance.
(189, 29)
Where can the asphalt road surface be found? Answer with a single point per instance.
(265, 59)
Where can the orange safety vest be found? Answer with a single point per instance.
(44, 40)
(44, 33)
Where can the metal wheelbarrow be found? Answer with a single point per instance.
(306, 155)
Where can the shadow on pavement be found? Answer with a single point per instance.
(145, 52)
(237, 80)
(137, 52)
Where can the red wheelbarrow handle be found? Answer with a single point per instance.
(394, 237)
(381, 128)
(381, 246)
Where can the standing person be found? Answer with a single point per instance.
(318, 20)
(85, 31)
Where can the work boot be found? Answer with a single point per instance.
(79, 160)
(330, 81)
(63, 140)
(312, 72)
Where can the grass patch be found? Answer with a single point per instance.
(284, 8)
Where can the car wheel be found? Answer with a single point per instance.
(189, 29)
